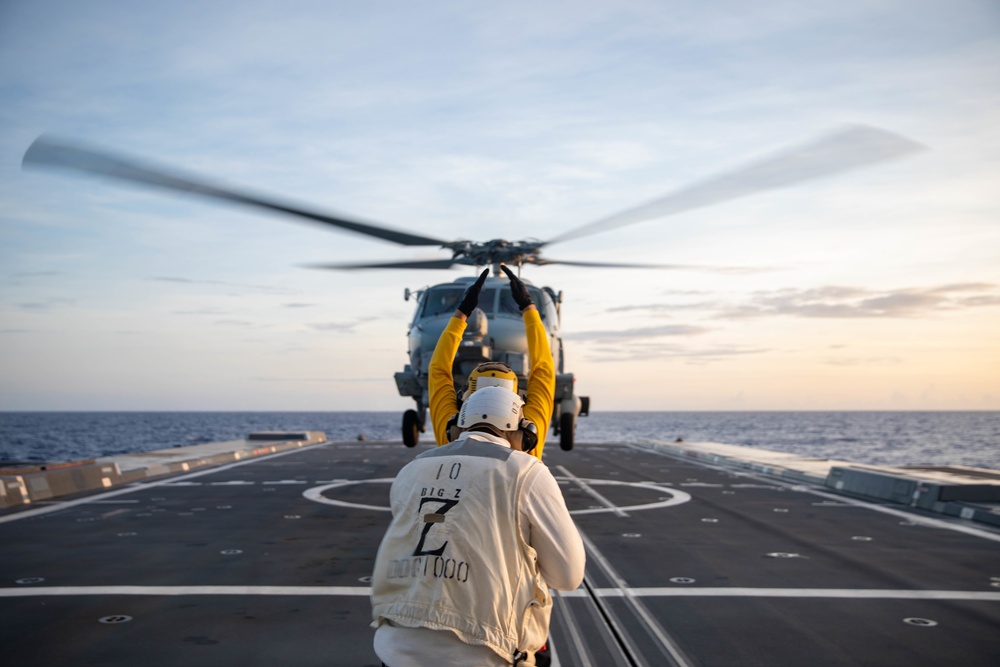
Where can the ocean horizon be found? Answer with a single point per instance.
(877, 437)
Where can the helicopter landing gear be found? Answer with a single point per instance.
(411, 428)
(567, 429)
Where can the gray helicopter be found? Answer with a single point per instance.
(495, 331)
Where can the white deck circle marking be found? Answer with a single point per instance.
(682, 580)
(316, 493)
(118, 618)
(231, 552)
(29, 580)
(674, 497)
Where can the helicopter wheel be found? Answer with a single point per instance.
(567, 429)
(411, 428)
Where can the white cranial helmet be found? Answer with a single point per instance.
(496, 406)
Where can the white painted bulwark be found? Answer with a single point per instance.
(22, 486)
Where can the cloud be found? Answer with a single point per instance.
(300, 379)
(835, 301)
(221, 283)
(637, 333)
(36, 274)
(236, 323)
(966, 287)
(864, 361)
(201, 311)
(298, 305)
(48, 304)
(661, 307)
(853, 302)
(980, 301)
(664, 350)
(343, 327)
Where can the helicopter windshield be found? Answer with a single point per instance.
(442, 300)
(508, 305)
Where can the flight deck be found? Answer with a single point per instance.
(690, 561)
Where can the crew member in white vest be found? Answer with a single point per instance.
(479, 533)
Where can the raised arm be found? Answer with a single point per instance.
(542, 369)
(440, 381)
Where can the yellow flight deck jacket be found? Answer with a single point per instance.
(541, 378)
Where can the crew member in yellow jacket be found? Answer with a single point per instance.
(540, 400)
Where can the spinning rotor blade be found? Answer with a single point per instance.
(847, 149)
(614, 265)
(46, 152)
(415, 264)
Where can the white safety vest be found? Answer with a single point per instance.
(453, 557)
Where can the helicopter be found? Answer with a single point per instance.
(495, 331)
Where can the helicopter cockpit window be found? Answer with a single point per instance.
(487, 300)
(508, 305)
(442, 300)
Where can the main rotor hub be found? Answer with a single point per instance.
(495, 252)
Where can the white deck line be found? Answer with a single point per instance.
(808, 593)
(330, 591)
(621, 589)
(615, 592)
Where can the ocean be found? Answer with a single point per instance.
(880, 438)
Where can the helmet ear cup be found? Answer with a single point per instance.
(452, 429)
(529, 434)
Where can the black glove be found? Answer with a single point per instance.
(471, 297)
(518, 290)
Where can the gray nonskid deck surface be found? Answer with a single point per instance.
(267, 562)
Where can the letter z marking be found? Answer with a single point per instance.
(446, 505)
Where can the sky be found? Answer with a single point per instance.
(875, 289)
